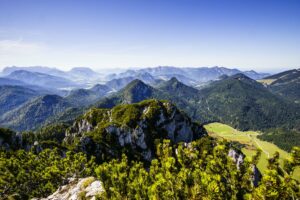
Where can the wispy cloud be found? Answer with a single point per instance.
(20, 52)
(18, 47)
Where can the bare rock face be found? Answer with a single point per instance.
(238, 158)
(134, 127)
(84, 188)
(256, 177)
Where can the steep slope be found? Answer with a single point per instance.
(245, 104)
(131, 128)
(34, 113)
(286, 84)
(137, 91)
(13, 96)
(40, 79)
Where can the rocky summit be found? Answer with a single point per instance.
(132, 127)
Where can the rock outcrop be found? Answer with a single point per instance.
(238, 158)
(134, 127)
(85, 188)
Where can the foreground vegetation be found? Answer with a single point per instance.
(199, 170)
(127, 149)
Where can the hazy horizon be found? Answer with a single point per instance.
(120, 69)
(249, 35)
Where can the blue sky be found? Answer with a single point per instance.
(263, 35)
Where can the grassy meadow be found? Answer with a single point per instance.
(250, 143)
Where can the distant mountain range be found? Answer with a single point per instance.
(227, 96)
(191, 76)
(13, 82)
(41, 79)
(74, 72)
(86, 76)
(82, 76)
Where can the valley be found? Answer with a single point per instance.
(250, 143)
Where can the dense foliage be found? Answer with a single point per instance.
(246, 104)
(13, 96)
(26, 174)
(34, 113)
(201, 170)
(198, 170)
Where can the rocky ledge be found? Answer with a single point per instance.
(84, 188)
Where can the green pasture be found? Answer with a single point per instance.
(250, 142)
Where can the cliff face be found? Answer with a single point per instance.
(238, 158)
(134, 127)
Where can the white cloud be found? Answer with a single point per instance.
(19, 52)
(18, 47)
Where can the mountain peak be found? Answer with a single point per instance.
(174, 80)
(175, 84)
(134, 126)
(137, 91)
(100, 87)
(136, 83)
(241, 76)
(224, 76)
(51, 99)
